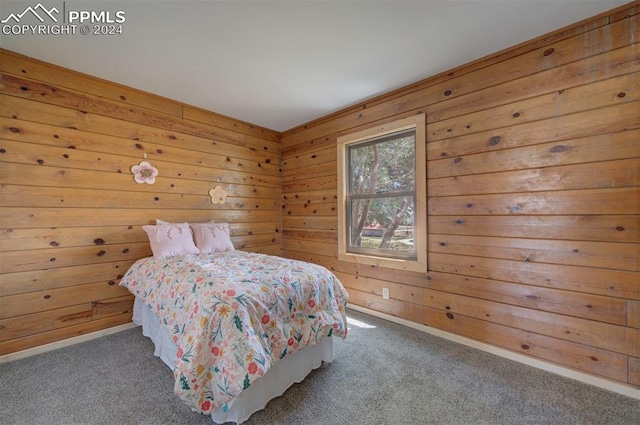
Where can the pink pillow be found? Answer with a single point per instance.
(212, 237)
(160, 222)
(169, 240)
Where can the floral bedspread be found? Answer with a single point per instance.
(234, 314)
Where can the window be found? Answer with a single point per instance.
(382, 196)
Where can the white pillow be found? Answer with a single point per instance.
(212, 237)
(170, 239)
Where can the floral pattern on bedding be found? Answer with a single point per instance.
(234, 314)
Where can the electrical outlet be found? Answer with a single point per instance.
(385, 293)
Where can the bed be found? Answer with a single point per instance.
(237, 328)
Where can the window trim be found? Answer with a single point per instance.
(420, 236)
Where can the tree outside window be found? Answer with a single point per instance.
(381, 195)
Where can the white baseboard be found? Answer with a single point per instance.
(512, 355)
(65, 342)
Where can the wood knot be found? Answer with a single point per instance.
(138, 146)
(559, 149)
(620, 228)
(524, 346)
(495, 140)
(46, 297)
(447, 92)
(443, 244)
(124, 251)
(549, 51)
(459, 221)
(40, 161)
(14, 129)
(3, 150)
(457, 160)
(123, 97)
(516, 114)
(450, 316)
(621, 94)
(111, 283)
(101, 253)
(54, 243)
(98, 241)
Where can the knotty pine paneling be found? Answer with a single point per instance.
(533, 207)
(604, 51)
(71, 217)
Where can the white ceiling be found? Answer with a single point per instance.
(279, 64)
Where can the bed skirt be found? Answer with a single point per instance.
(293, 368)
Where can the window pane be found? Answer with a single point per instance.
(382, 224)
(384, 165)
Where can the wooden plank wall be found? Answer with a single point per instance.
(532, 175)
(71, 217)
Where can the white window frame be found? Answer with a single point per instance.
(418, 122)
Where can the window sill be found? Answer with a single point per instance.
(391, 263)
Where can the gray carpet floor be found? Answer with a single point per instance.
(384, 374)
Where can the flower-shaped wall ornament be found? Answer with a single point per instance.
(218, 195)
(144, 173)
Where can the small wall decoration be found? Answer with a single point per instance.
(144, 172)
(218, 195)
